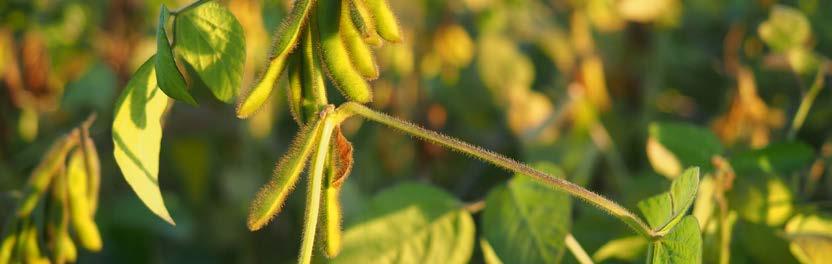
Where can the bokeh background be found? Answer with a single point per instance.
(575, 82)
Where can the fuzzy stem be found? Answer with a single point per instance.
(348, 109)
(807, 101)
(313, 195)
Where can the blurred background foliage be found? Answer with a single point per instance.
(574, 82)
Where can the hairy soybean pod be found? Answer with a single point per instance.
(285, 40)
(79, 208)
(363, 22)
(331, 212)
(271, 197)
(358, 51)
(385, 20)
(335, 56)
(44, 172)
(295, 93)
(314, 86)
(93, 167)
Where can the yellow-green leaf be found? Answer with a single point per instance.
(137, 135)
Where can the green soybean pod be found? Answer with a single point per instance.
(335, 56)
(363, 22)
(314, 86)
(93, 166)
(385, 21)
(44, 172)
(269, 200)
(358, 51)
(82, 220)
(295, 93)
(285, 40)
(331, 214)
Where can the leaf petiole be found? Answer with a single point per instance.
(631, 219)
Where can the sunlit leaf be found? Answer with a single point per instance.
(167, 74)
(212, 41)
(682, 245)
(663, 211)
(761, 193)
(785, 28)
(672, 147)
(411, 223)
(137, 134)
(526, 221)
(811, 238)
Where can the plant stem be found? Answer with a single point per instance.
(348, 109)
(807, 101)
(313, 195)
(576, 249)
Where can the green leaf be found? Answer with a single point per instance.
(762, 244)
(211, 40)
(626, 248)
(780, 158)
(167, 74)
(811, 237)
(785, 28)
(137, 134)
(674, 146)
(411, 223)
(761, 193)
(663, 211)
(682, 245)
(526, 221)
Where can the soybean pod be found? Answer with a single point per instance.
(314, 86)
(335, 55)
(44, 172)
(385, 21)
(295, 93)
(82, 221)
(358, 51)
(363, 22)
(285, 40)
(269, 200)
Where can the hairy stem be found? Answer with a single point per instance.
(313, 195)
(348, 109)
(807, 101)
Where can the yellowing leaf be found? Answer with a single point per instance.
(785, 28)
(811, 238)
(137, 134)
